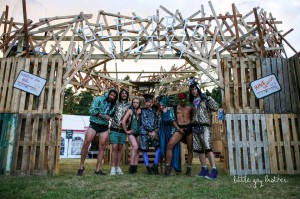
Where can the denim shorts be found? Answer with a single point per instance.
(117, 137)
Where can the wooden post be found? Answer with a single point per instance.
(25, 27)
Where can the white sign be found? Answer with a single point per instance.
(265, 86)
(30, 83)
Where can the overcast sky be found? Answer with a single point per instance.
(287, 11)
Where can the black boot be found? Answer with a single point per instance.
(149, 171)
(134, 168)
(188, 171)
(131, 169)
(169, 171)
(154, 169)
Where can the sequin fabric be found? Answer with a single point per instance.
(202, 113)
(120, 110)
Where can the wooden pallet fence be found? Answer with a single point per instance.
(237, 75)
(288, 75)
(7, 135)
(247, 144)
(13, 100)
(284, 143)
(217, 130)
(37, 144)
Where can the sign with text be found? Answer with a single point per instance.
(265, 86)
(30, 83)
(69, 134)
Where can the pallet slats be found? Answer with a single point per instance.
(247, 144)
(283, 141)
(263, 143)
(238, 73)
(36, 147)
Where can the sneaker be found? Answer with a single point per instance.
(100, 172)
(119, 171)
(80, 171)
(113, 171)
(154, 169)
(213, 174)
(204, 172)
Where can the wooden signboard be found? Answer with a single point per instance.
(30, 83)
(265, 86)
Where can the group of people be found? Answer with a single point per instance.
(159, 124)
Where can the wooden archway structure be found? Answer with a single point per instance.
(79, 49)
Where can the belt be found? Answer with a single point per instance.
(117, 130)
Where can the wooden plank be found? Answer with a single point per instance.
(258, 142)
(251, 76)
(25, 166)
(57, 97)
(293, 87)
(33, 143)
(271, 143)
(51, 85)
(23, 93)
(245, 144)
(52, 146)
(237, 144)
(12, 78)
(244, 92)
(266, 160)
(286, 143)
(275, 106)
(295, 141)
(58, 143)
(264, 72)
(4, 82)
(235, 85)
(286, 86)
(17, 92)
(279, 143)
(43, 74)
(258, 75)
(35, 69)
(297, 73)
(43, 139)
(229, 118)
(17, 143)
(281, 82)
(252, 144)
(226, 85)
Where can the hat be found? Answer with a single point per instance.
(148, 97)
(165, 102)
(181, 96)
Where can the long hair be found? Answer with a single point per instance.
(113, 103)
(191, 96)
(120, 93)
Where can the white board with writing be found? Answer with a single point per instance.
(265, 86)
(30, 83)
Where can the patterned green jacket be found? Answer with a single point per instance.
(101, 105)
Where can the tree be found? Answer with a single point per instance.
(216, 94)
(77, 104)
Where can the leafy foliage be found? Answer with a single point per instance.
(216, 94)
(77, 104)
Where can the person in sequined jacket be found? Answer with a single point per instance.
(100, 111)
(203, 106)
(118, 136)
(149, 134)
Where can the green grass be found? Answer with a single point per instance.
(140, 185)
